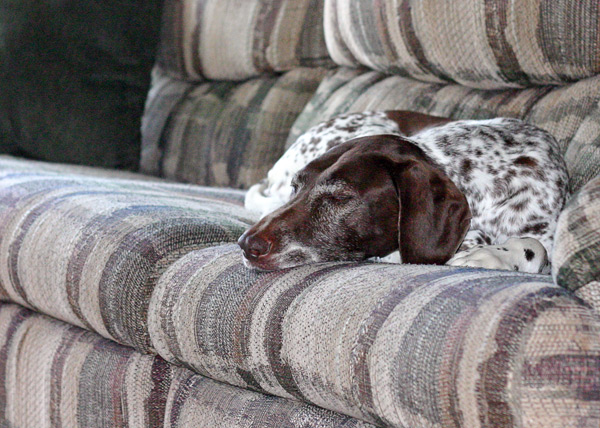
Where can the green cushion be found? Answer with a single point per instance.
(74, 76)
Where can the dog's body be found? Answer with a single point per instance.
(276, 189)
(511, 174)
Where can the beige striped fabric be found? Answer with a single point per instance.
(225, 133)
(395, 345)
(571, 113)
(164, 96)
(239, 39)
(576, 258)
(485, 44)
(125, 301)
(153, 266)
(58, 376)
(102, 238)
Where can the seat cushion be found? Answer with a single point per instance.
(87, 249)
(395, 345)
(55, 374)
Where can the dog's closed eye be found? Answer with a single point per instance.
(335, 192)
(338, 198)
(333, 200)
(299, 181)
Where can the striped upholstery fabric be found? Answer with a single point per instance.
(106, 241)
(576, 258)
(132, 260)
(56, 375)
(227, 133)
(164, 96)
(478, 43)
(394, 345)
(238, 39)
(8, 163)
(571, 113)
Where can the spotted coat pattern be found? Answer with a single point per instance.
(511, 172)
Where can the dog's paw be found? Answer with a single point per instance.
(486, 257)
(390, 258)
(518, 254)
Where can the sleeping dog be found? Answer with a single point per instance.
(412, 188)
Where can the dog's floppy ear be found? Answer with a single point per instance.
(433, 215)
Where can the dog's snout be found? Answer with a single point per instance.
(254, 246)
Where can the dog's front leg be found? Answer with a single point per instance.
(517, 254)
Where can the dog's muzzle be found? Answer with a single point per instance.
(254, 247)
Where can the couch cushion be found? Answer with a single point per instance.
(14, 163)
(74, 76)
(224, 133)
(55, 374)
(395, 345)
(86, 249)
(576, 258)
(477, 43)
(235, 40)
(571, 113)
(164, 97)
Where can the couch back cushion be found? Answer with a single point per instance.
(224, 133)
(478, 43)
(576, 257)
(532, 59)
(239, 39)
(571, 112)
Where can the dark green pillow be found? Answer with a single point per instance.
(74, 75)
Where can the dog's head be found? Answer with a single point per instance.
(365, 198)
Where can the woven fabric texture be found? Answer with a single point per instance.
(165, 95)
(571, 113)
(27, 165)
(56, 375)
(395, 345)
(230, 134)
(106, 241)
(260, 36)
(478, 43)
(576, 258)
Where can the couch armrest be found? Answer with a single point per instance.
(148, 265)
(87, 249)
(576, 257)
(394, 345)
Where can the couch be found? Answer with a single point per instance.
(125, 302)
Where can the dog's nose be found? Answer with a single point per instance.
(254, 246)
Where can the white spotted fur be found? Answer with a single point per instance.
(481, 157)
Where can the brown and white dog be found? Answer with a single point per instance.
(419, 187)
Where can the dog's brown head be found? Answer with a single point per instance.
(365, 198)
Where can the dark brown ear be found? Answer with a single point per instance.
(434, 215)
